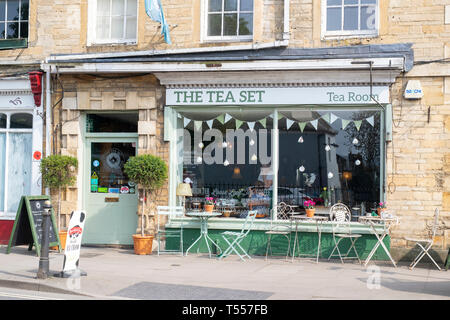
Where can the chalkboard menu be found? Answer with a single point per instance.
(28, 225)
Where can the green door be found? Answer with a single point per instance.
(109, 198)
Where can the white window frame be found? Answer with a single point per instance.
(204, 26)
(341, 34)
(92, 30)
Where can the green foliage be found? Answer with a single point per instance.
(58, 171)
(147, 170)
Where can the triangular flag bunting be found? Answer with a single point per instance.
(263, 122)
(227, 117)
(186, 122)
(314, 123)
(280, 116)
(333, 118)
(179, 115)
(370, 120)
(251, 125)
(238, 123)
(289, 123)
(210, 123)
(358, 124)
(198, 125)
(345, 123)
(302, 126)
(221, 118)
(326, 117)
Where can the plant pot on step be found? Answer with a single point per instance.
(142, 244)
(310, 212)
(208, 207)
(62, 240)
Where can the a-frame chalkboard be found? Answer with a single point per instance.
(27, 227)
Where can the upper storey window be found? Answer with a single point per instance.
(229, 20)
(13, 23)
(342, 18)
(112, 21)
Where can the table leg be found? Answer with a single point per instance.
(379, 241)
(319, 231)
(295, 242)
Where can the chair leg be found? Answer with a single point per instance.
(268, 245)
(419, 257)
(425, 252)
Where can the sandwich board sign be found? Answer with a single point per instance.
(73, 245)
(27, 228)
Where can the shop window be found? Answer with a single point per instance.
(229, 20)
(350, 18)
(21, 121)
(112, 122)
(13, 23)
(112, 21)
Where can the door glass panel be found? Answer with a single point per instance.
(2, 121)
(21, 121)
(2, 170)
(19, 168)
(107, 161)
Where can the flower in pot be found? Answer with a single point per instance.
(58, 172)
(309, 207)
(382, 206)
(150, 173)
(209, 204)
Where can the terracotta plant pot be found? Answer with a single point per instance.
(62, 240)
(380, 210)
(142, 244)
(310, 212)
(208, 207)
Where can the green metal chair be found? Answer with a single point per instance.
(234, 239)
(162, 234)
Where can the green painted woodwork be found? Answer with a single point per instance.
(13, 43)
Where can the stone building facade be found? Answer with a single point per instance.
(417, 158)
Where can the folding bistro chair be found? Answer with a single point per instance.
(426, 244)
(162, 234)
(340, 216)
(234, 239)
(277, 229)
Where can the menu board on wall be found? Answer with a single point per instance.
(27, 227)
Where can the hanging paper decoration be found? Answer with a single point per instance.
(326, 117)
(254, 157)
(302, 126)
(251, 125)
(198, 125)
(289, 123)
(327, 147)
(226, 163)
(345, 123)
(221, 119)
(201, 145)
(300, 140)
(210, 123)
(357, 124)
(370, 120)
(358, 162)
(227, 117)
(179, 115)
(333, 118)
(238, 123)
(314, 123)
(263, 122)
(330, 175)
(186, 122)
(355, 141)
(302, 168)
(252, 142)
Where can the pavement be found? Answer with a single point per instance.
(114, 273)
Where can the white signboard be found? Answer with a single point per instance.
(277, 96)
(73, 241)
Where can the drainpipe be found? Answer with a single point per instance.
(48, 113)
(286, 30)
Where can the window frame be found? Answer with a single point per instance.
(222, 38)
(92, 27)
(342, 34)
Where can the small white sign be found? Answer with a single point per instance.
(413, 90)
(73, 242)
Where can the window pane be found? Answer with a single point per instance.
(2, 170)
(2, 10)
(19, 168)
(230, 5)
(334, 19)
(214, 24)
(215, 5)
(246, 5)
(350, 1)
(368, 1)
(368, 18)
(24, 29)
(351, 18)
(112, 122)
(103, 8)
(2, 31)
(118, 7)
(245, 24)
(21, 121)
(2, 121)
(12, 29)
(13, 10)
(131, 28)
(117, 28)
(24, 10)
(334, 2)
(132, 7)
(230, 24)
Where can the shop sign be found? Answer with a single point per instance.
(73, 242)
(277, 96)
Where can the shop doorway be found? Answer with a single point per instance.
(109, 197)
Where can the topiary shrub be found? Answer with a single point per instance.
(58, 172)
(150, 172)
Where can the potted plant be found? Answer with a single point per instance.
(150, 172)
(209, 204)
(382, 206)
(309, 208)
(58, 172)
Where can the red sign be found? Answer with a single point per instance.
(37, 155)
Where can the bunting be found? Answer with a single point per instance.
(289, 123)
(302, 125)
(357, 124)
